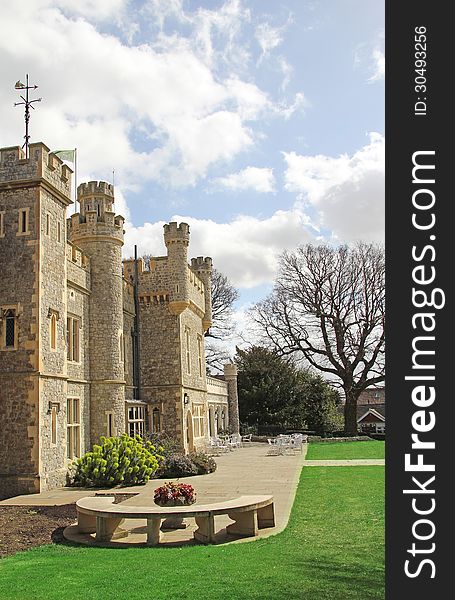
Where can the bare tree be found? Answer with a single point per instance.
(328, 307)
(224, 295)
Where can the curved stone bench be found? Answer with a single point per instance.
(249, 513)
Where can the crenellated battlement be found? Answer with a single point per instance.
(96, 216)
(41, 167)
(95, 188)
(174, 233)
(201, 263)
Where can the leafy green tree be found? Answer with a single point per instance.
(275, 396)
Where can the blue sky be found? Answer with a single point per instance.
(261, 123)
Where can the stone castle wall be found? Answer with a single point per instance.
(53, 384)
(40, 185)
(73, 269)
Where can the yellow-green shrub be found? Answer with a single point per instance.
(117, 461)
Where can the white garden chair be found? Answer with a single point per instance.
(235, 440)
(274, 447)
(218, 446)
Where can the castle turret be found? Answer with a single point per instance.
(99, 234)
(230, 376)
(203, 269)
(177, 238)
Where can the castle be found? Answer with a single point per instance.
(91, 345)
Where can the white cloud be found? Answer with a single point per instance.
(246, 250)
(378, 60)
(369, 57)
(268, 37)
(251, 178)
(347, 191)
(101, 95)
(94, 9)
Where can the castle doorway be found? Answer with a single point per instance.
(212, 424)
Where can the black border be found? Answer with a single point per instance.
(407, 133)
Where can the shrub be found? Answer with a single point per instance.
(178, 465)
(164, 442)
(203, 462)
(117, 460)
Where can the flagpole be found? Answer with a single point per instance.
(75, 180)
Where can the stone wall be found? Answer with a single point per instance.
(19, 289)
(53, 299)
(32, 283)
(128, 327)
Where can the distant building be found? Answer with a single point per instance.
(371, 410)
(77, 361)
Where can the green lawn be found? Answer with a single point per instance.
(345, 450)
(333, 548)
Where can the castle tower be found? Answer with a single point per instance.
(230, 376)
(203, 269)
(34, 195)
(177, 238)
(99, 234)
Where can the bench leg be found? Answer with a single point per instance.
(105, 528)
(86, 523)
(246, 523)
(206, 529)
(266, 516)
(153, 531)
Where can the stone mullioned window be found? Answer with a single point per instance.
(73, 428)
(198, 420)
(73, 325)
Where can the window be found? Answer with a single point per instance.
(188, 354)
(53, 331)
(110, 424)
(73, 430)
(10, 328)
(121, 343)
(23, 221)
(199, 354)
(2, 223)
(198, 420)
(156, 422)
(125, 352)
(59, 231)
(72, 339)
(53, 425)
(48, 224)
(136, 420)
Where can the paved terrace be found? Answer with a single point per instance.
(247, 470)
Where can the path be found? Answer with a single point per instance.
(244, 471)
(353, 462)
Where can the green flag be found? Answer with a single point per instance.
(65, 154)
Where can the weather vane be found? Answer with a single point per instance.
(28, 105)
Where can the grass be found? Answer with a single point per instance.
(333, 548)
(346, 450)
